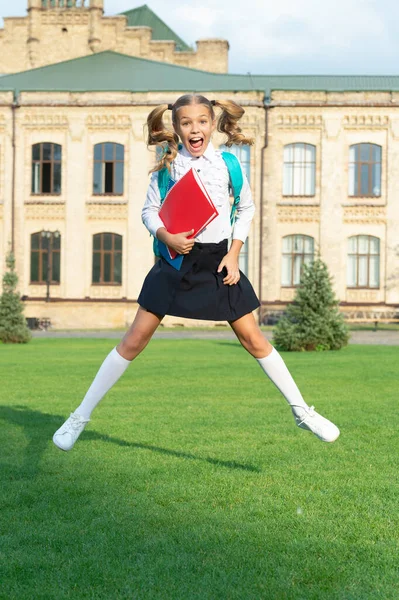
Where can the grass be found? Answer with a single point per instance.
(192, 482)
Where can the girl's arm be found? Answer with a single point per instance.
(151, 207)
(245, 213)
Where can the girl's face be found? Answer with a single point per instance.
(194, 126)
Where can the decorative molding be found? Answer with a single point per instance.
(299, 121)
(45, 121)
(106, 291)
(365, 121)
(108, 121)
(287, 294)
(364, 214)
(362, 295)
(294, 214)
(395, 128)
(45, 211)
(76, 130)
(332, 127)
(65, 18)
(106, 211)
(39, 291)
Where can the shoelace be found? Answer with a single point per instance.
(309, 412)
(76, 422)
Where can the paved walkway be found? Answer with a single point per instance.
(381, 337)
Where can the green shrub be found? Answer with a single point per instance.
(13, 328)
(313, 320)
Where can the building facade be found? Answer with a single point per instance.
(59, 30)
(74, 171)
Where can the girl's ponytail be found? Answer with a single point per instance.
(228, 122)
(159, 136)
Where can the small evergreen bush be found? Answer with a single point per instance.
(13, 328)
(313, 320)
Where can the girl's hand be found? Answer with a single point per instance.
(230, 262)
(176, 241)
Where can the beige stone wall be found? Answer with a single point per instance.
(48, 36)
(332, 122)
(79, 121)
(76, 213)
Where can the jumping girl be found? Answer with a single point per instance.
(209, 284)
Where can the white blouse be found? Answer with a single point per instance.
(215, 176)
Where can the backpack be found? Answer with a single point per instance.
(236, 183)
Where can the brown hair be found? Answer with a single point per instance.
(159, 135)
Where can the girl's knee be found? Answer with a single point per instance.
(256, 344)
(132, 344)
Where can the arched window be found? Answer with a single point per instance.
(46, 168)
(365, 170)
(45, 257)
(108, 169)
(107, 258)
(297, 250)
(299, 170)
(363, 268)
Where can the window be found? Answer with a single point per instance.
(363, 269)
(299, 174)
(365, 170)
(243, 153)
(107, 258)
(46, 168)
(45, 253)
(297, 251)
(108, 168)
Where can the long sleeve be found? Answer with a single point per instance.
(151, 207)
(245, 213)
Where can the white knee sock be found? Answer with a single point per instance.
(110, 371)
(276, 369)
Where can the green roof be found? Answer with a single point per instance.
(143, 16)
(110, 71)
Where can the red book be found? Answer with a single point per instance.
(187, 206)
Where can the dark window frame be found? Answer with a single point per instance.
(369, 163)
(114, 162)
(52, 162)
(45, 247)
(294, 254)
(102, 252)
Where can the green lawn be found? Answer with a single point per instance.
(192, 481)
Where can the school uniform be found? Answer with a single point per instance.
(197, 290)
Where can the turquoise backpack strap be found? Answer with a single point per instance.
(236, 180)
(163, 183)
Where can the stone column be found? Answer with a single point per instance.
(34, 8)
(96, 12)
(76, 185)
(332, 193)
(392, 227)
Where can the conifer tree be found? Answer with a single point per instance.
(13, 328)
(313, 320)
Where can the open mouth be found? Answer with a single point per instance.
(196, 143)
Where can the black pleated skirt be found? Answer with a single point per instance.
(197, 291)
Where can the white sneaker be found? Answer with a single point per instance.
(66, 436)
(309, 419)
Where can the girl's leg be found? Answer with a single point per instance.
(253, 340)
(113, 367)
